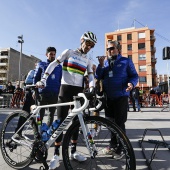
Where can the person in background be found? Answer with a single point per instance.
(28, 99)
(141, 92)
(135, 99)
(75, 63)
(17, 97)
(96, 112)
(10, 88)
(152, 97)
(49, 94)
(119, 77)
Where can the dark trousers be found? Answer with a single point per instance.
(116, 111)
(26, 107)
(48, 98)
(66, 95)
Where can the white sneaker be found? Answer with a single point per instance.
(54, 163)
(78, 157)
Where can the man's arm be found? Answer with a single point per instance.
(37, 74)
(51, 67)
(100, 68)
(133, 76)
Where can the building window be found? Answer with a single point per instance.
(141, 35)
(142, 56)
(129, 36)
(142, 79)
(141, 46)
(129, 47)
(130, 56)
(119, 38)
(142, 68)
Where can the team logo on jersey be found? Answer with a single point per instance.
(78, 59)
(52, 76)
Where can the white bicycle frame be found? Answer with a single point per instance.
(77, 110)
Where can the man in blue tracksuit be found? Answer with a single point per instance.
(119, 77)
(49, 94)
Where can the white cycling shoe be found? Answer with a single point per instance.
(78, 157)
(54, 163)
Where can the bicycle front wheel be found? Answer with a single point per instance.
(101, 140)
(14, 153)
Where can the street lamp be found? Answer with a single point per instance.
(21, 41)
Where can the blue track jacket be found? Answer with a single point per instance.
(115, 79)
(53, 81)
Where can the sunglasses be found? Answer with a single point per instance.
(111, 48)
(89, 43)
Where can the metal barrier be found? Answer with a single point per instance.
(5, 100)
(157, 144)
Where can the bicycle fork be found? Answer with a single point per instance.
(88, 138)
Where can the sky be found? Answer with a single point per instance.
(60, 23)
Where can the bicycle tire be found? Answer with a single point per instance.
(101, 161)
(16, 155)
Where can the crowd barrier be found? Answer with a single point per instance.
(153, 100)
(5, 100)
(145, 100)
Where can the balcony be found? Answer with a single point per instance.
(3, 71)
(154, 71)
(4, 57)
(152, 38)
(153, 59)
(3, 64)
(3, 78)
(153, 49)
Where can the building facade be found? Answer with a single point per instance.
(9, 65)
(138, 44)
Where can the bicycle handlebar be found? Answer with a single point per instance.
(84, 106)
(97, 107)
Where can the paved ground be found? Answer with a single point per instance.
(150, 118)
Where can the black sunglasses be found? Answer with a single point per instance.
(111, 48)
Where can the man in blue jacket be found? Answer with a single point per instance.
(49, 94)
(119, 77)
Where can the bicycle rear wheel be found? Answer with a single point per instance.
(101, 160)
(15, 154)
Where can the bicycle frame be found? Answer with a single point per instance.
(77, 110)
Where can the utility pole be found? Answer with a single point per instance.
(21, 41)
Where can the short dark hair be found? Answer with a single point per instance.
(49, 49)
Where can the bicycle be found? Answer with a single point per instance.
(20, 147)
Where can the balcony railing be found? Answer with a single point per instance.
(153, 59)
(153, 49)
(3, 71)
(154, 71)
(4, 57)
(152, 37)
(3, 64)
(3, 78)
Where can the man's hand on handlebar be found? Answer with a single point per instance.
(40, 84)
